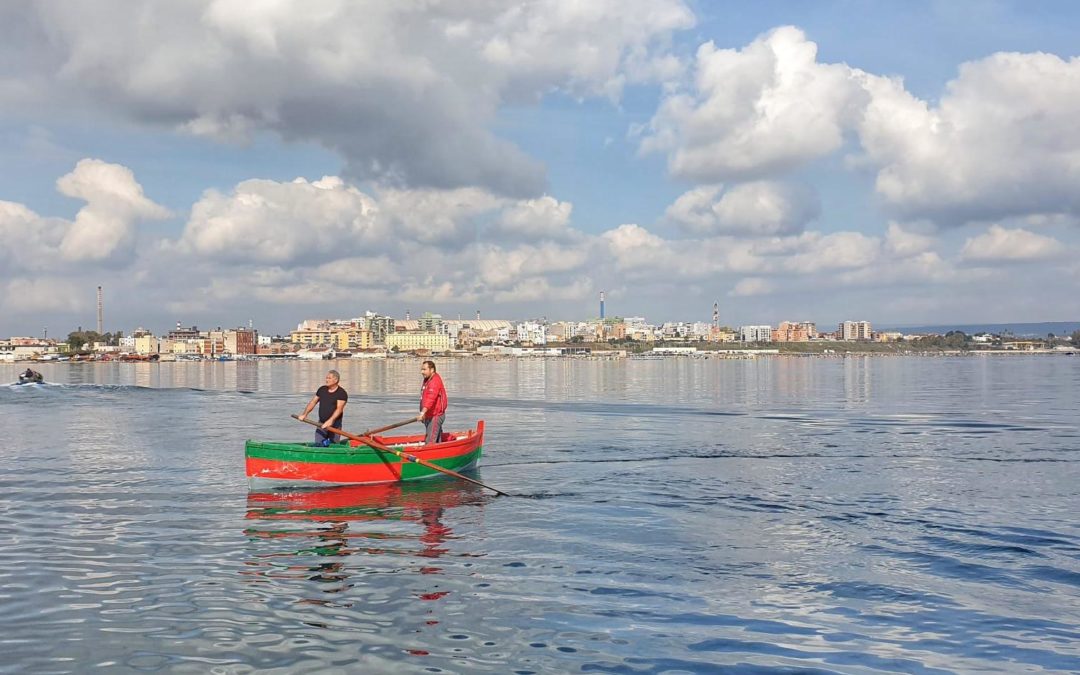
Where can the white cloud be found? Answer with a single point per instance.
(999, 244)
(403, 91)
(1004, 140)
(28, 241)
(763, 208)
(105, 227)
(541, 218)
(836, 251)
(301, 222)
(539, 289)
(633, 248)
(264, 221)
(500, 267)
(905, 243)
(756, 112)
(449, 217)
(103, 231)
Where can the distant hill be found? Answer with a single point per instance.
(1060, 328)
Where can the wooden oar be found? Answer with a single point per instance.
(388, 427)
(368, 440)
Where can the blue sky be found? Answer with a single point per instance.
(900, 162)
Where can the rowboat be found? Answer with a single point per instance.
(272, 464)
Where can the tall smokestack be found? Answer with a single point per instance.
(601, 305)
(716, 315)
(100, 313)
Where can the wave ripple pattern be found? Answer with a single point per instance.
(811, 515)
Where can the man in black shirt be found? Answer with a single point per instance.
(331, 399)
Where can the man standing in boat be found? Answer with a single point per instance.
(331, 399)
(432, 403)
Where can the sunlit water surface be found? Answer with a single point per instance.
(796, 514)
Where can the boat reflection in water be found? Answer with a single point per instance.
(335, 536)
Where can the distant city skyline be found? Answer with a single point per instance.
(218, 162)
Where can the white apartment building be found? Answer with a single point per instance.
(530, 331)
(755, 333)
(855, 330)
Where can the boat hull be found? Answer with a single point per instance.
(272, 465)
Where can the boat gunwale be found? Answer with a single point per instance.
(465, 441)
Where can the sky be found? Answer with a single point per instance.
(215, 162)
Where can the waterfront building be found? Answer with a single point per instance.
(413, 340)
(755, 333)
(380, 327)
(184, 347)
(562, 331)
(311, 338)
(179, 333)
(240, 341)
(146, 345)
(701, 330)
(17, 349)
(431, 323)
(854, 330)
(794, 331)
(532, 331)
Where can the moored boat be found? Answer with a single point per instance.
(272, 464)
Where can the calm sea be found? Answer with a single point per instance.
(854, 515)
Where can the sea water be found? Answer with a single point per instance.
(849, 514)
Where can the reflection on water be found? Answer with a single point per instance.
(330, 536)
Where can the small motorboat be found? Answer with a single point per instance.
(30, 377)
(288, 464)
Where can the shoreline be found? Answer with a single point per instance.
(605, 356)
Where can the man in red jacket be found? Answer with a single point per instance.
(432, 403)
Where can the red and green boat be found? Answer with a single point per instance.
(285, 464)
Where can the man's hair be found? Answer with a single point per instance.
(431, 364)
(336, 374)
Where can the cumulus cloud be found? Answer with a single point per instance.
(105, 227)
(29, 241)
(764, 208)
(632, 247)
(300, 222)
(905, 243)
(755, 112)
(103, 232)
(500, 267)
(404, 92)
(541, 218)
(999, 244)
(270, 222)
(1004, 140)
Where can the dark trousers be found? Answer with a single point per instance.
(433, 427)
(321, 435)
